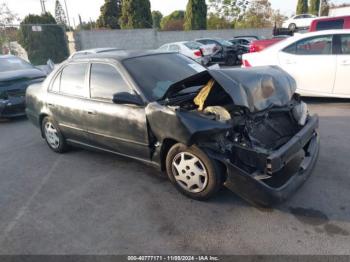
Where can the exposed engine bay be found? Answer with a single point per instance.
(261, 131)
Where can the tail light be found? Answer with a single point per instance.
(246, 63)
(198, 53)
(253, 48)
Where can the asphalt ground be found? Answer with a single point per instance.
(85, 202)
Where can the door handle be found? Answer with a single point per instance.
(345, 62)
(51, 105)
(92, 112)
(290, 62)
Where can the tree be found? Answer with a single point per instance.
(302, 7)
(258, 15)
(325, 8)
(7, 18)
(216, 22)
(196, 15)
(110, 14)
(314, 7)
(173, 22)
(60, 15)
(136, 14)
(156, 18)
(48, 43)
(231, 10)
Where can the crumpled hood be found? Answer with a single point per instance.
(27, 74)
(255, 88)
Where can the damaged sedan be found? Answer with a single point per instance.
(15, 76)
(244, 129)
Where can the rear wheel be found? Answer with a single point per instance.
(192, 172)
(53, 135)
(231, 60)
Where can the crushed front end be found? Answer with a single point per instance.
(267, 140)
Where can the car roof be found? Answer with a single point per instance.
(327, 18)
(297, 37)
(97, 50)
(7, 56)
(121, 54)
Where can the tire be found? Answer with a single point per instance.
(192, 172)
(231, 60)
(53, 135)
(292, 27)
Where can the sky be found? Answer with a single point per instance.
(91, 8)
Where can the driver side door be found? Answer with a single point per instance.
(119, 128)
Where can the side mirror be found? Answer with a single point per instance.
(125, 98)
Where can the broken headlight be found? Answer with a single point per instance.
(300, 113)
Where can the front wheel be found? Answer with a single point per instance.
(192, 172)
(53, 135)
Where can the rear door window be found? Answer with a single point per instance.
(73, 80)
(327, 25)
(345, 44)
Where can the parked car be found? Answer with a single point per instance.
(205, 128)
(327, 23)
(83, 53)
(299, 22)
(319, 61)
(259, 45)
(15, 76)
(224, 52)
(242, 44)
(194, 50)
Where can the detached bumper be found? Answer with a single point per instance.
(263, 193)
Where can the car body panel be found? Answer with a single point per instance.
(141, 132)
(13, 85)
(301, 21)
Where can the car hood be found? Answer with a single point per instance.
(27, 74)
(256, 89)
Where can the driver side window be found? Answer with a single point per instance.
(319, 45)
(105, 81)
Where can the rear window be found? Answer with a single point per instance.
(327, 25)
(13, 64)
(154, 74)
(193, 45)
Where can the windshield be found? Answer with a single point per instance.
(224, 42)
(156, 73)
(13, 63)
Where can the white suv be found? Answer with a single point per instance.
(299, 22)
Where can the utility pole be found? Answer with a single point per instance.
(320, 8)
(65, 4)
(43, 8)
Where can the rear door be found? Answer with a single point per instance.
(119, 128)
(341, 86)
(312, 64)
(66, 100)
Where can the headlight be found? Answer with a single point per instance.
(300, 113)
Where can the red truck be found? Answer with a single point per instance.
(328, 23)
(258, 45)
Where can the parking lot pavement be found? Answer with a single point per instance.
(91, 203)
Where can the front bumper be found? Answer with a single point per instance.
(260, 192)
(12, 107)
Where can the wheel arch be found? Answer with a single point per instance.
(41, 118)
(166, 145)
